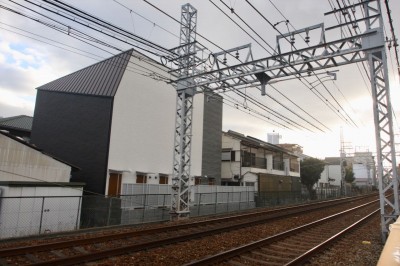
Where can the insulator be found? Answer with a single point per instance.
(355, 26)
(232, 10)
(307, 39)
(225, 60)
(237, 55)
(292, 39)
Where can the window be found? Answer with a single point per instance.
(228, 156)
(197, 180)
(141, 179)
(163, 179)
(294, 165)
(248, 159)
(249, 184)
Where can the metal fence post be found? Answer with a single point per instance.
(41, 217)
(109, 212)
(198, 205)
(78, 212)
(144, 207)
(227, 203)
(216, 201)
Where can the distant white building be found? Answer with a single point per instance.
(273, 138)
(36, 195)
(363, 166)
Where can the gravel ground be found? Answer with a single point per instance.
(349, 251)
(361, 248)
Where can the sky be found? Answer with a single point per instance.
(32, 55)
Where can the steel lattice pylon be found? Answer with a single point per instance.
(184, 107)
(368, 46)
(386, 159)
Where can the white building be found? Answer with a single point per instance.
(35, 193)
(362, 164)
(332, 175)
(117, 124)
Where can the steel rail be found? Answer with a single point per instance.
(220, 225)
(236, 252)
(275, 213)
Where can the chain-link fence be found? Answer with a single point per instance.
(24, 216)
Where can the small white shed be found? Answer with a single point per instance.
(35, 193)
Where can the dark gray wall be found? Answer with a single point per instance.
(75, 128)
(212, 137)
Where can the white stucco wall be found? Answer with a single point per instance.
(19, 162)
(333, 172)
(143, 125)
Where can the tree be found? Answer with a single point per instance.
(310, 173)
(349, 175)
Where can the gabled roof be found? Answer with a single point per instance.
(100, 79)
(256, 143)
(332, 160)
(19, 122)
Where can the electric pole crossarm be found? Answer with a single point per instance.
(313, 58)
(336, 10)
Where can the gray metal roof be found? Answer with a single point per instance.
(20, 122)
(100, 79)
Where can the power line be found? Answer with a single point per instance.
(326, 102)
(85, 16)
(394, 39)
(180, 23)
(259, 44)
(152, 22)
(150, 74)
(274, 27)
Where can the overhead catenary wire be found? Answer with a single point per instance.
(274, 27)
(83, 36)
(326, 102)
(394, 38)
(150, 73)
(262, 47)
(106, 25)
(162, 11)
(355, 30)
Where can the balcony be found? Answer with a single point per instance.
(278, 165)
(256, 162)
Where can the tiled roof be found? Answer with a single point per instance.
(251, 141)
(100, 79)
(20, 122)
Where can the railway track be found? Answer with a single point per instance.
(97, 247)
(295, 246)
